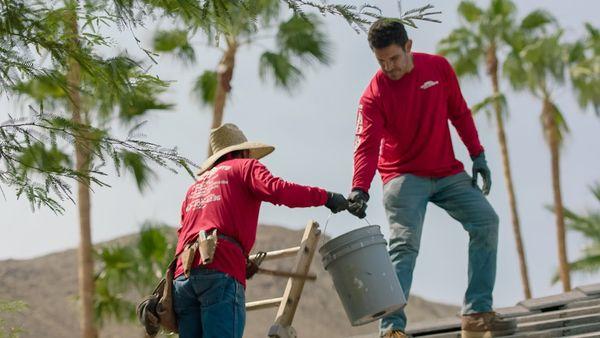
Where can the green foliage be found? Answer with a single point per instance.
(418, 14)
(537, 20)
(37, 45)
(8, 330)
(43, 87)
(561, 123)
(585, 68)
(538, 56)
(280, 68)
(469, 11)
(464, 49)
(484, 35)
(538, 63)
(136, 164)
(35, 162)
(299, 40)
(301, 36)
(39, 156)
(130, 271)
(108, 306)
(175, 41)
(205, 87)
(588, 225)
(482, 31)
(488, 105)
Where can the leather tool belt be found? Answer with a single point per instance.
(206, 244)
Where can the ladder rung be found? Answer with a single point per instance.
(263, 304)
(279, 253)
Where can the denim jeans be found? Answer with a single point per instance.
(210, 304)
(405, 199)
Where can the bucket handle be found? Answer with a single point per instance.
(327, 222)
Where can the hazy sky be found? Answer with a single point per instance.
(312, 128)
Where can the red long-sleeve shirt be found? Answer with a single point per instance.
(228, 198)
(402, 125)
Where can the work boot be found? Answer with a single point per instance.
(486, 324)
(395, 334)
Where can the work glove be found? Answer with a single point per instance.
(358, 203)
(480, 167)
(336, 202)
(253, 265)
(251, 268)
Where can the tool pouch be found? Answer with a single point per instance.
(207, 242)
(187, 258)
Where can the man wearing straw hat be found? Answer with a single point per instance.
(209, 298)
(402, 131)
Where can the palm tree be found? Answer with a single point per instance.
(484, 35)
(538, 64)
(298, 40)
(82, 164)
(92, 89)
(584, 71)
(588, 225)
(127, 267)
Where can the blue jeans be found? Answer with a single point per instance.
(405, 199)
(210, 304)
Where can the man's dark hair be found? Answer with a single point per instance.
(230, 155)
(387, 31)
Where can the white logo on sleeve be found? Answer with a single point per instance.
(428, 84)
(359, 127)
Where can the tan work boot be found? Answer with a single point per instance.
(485, 325)
(395, 334)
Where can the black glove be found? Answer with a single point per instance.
(480, 167)
(358, 203)
(251, 268)
(253, 265)
(336, 202)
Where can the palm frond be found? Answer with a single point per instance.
(595, 189)
(584, 69)
(279, 67)
(302, 36)
(588, 225)
(136, 165)
(464, 49)
(537, 20)
(561, 123)
(205, 88)
(469, 11)
(488, 105)
(176, 42)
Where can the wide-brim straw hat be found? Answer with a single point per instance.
(228, 138)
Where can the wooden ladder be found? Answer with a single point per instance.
(282, 327)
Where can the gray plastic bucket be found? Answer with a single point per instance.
(363, 275)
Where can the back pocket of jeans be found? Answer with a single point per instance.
(215, 290)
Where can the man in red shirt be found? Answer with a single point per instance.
(402, 131)
(231, 186)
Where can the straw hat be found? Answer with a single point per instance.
(228, 138)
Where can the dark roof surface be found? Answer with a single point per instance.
(572, 314)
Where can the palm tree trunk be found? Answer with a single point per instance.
(552, 136)
(492, 64)
(224, 76)
(82, 162)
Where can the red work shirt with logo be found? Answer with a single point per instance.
(402, 125)
(228, 198)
